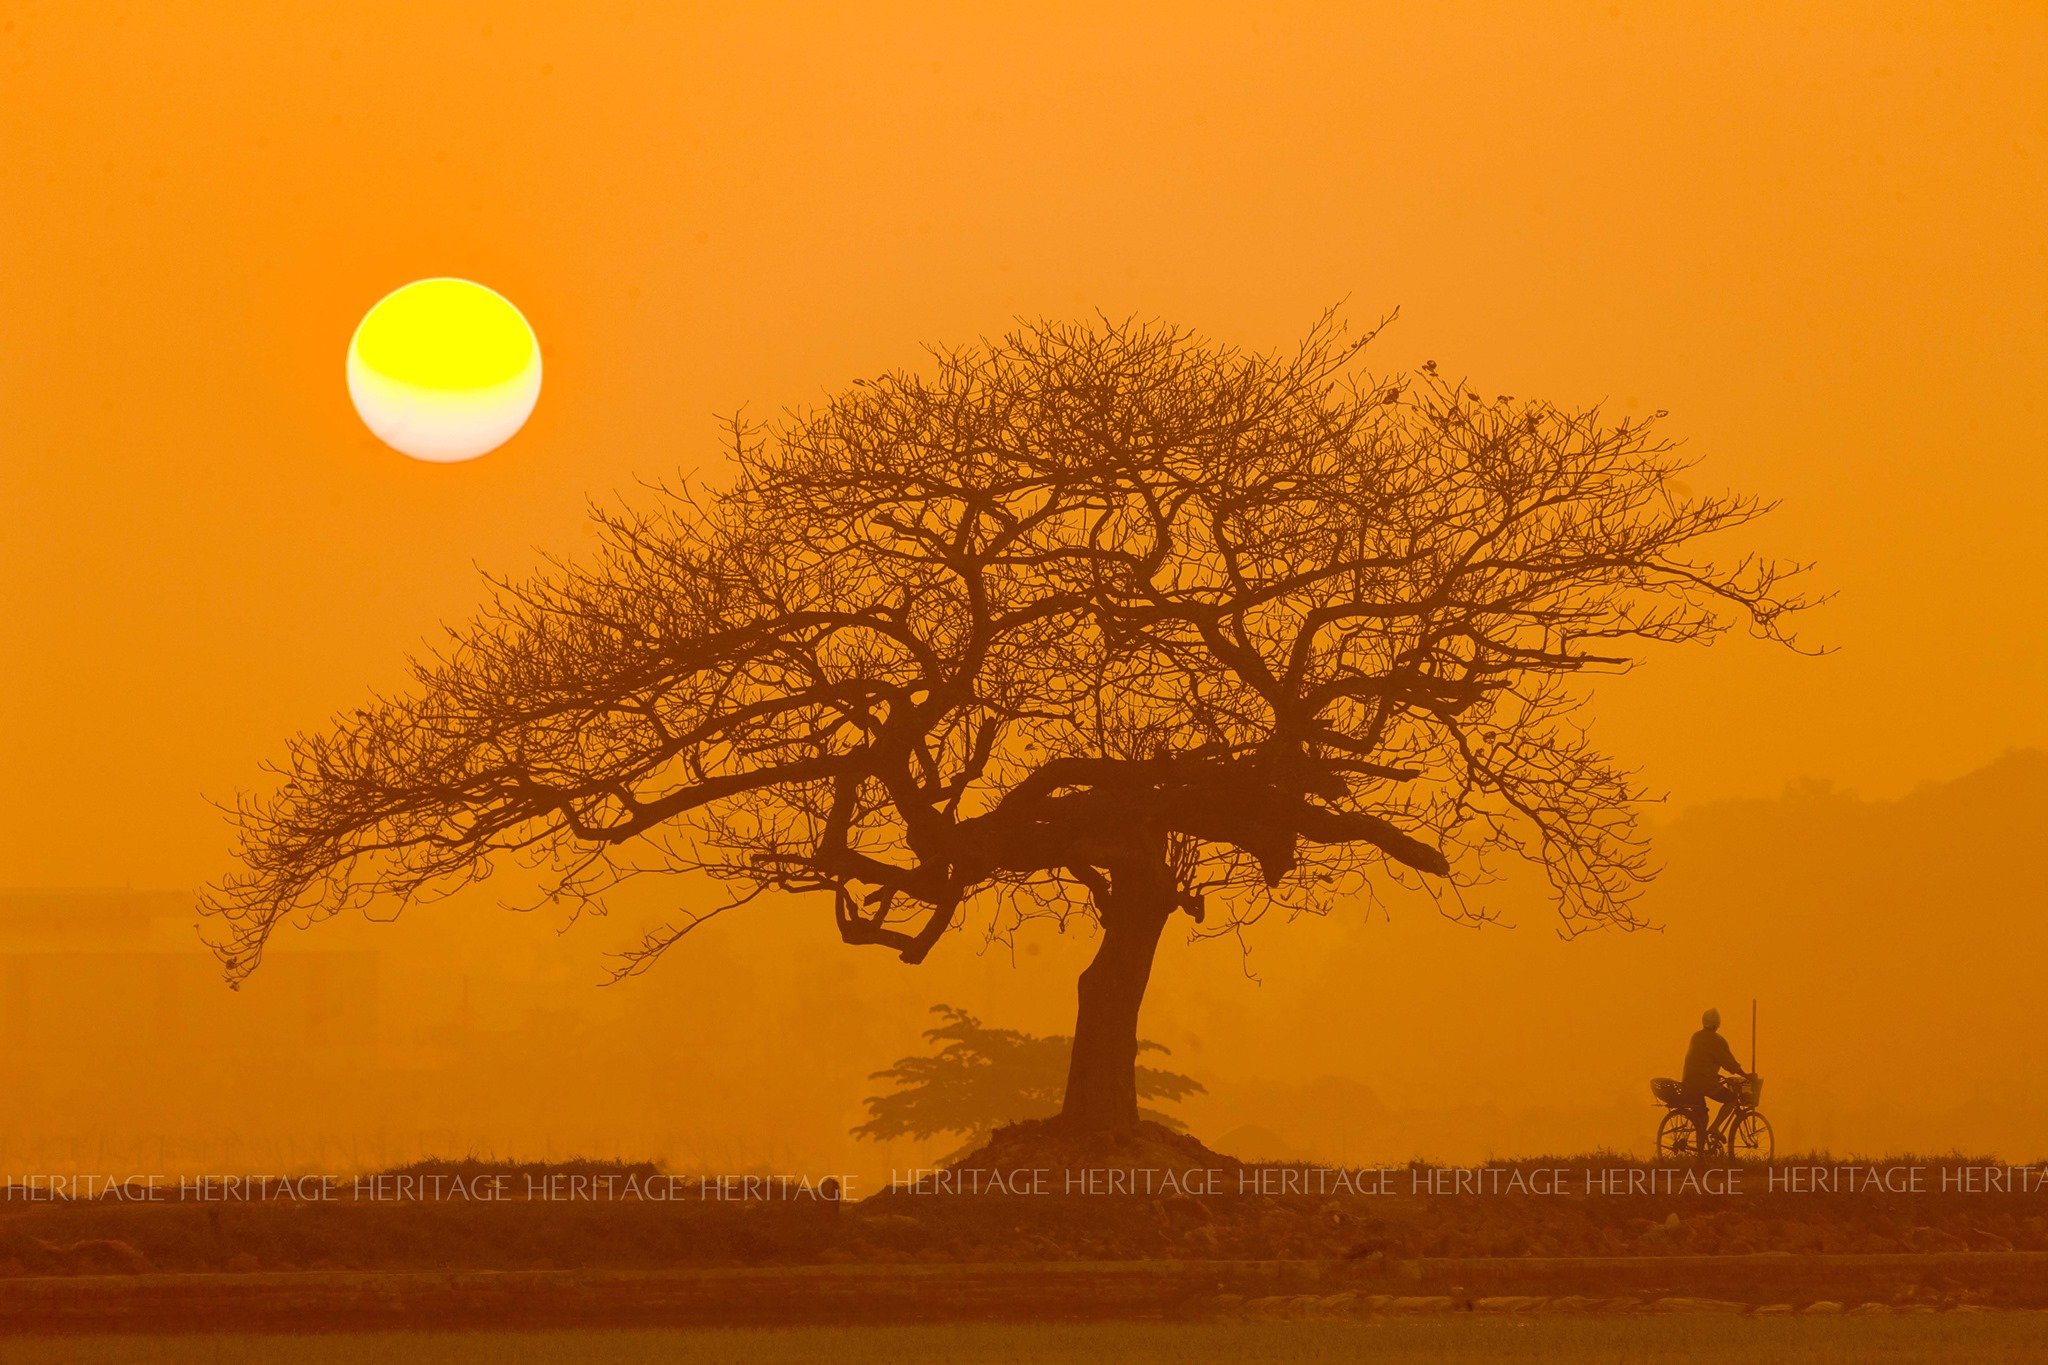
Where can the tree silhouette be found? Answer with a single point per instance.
(980, 1078)
(1093, 620)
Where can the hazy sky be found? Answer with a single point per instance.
(1814, 234)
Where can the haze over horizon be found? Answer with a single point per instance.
(364, 1044)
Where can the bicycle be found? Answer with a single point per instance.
(1739, 1131)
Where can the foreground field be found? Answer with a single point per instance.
(1987, 1337)
(1543, 1208)
(1033, 1294)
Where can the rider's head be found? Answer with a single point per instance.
(1712, 1018)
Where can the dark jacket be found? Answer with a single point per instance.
(1706, 1057)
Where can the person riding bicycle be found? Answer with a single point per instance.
(1706, 1057)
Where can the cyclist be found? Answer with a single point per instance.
(1706, 1058)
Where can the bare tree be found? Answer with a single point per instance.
(1099, 620)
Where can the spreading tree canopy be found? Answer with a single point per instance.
(1097, 620)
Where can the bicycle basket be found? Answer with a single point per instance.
(1752, 1090)
(1668, 1091)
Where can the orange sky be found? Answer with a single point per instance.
(1814, 234)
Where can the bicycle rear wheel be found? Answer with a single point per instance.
(1676, 1138)
(1750, 1139)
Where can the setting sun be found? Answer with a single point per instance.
(444, 370)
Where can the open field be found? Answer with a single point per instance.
(1537, 1245)
(1981, 1337)
(1275, 1292)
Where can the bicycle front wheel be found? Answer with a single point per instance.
(1751, 1140)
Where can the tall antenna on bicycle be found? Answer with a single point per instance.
(1752, 1035)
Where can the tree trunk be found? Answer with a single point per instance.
(1102, 1082)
